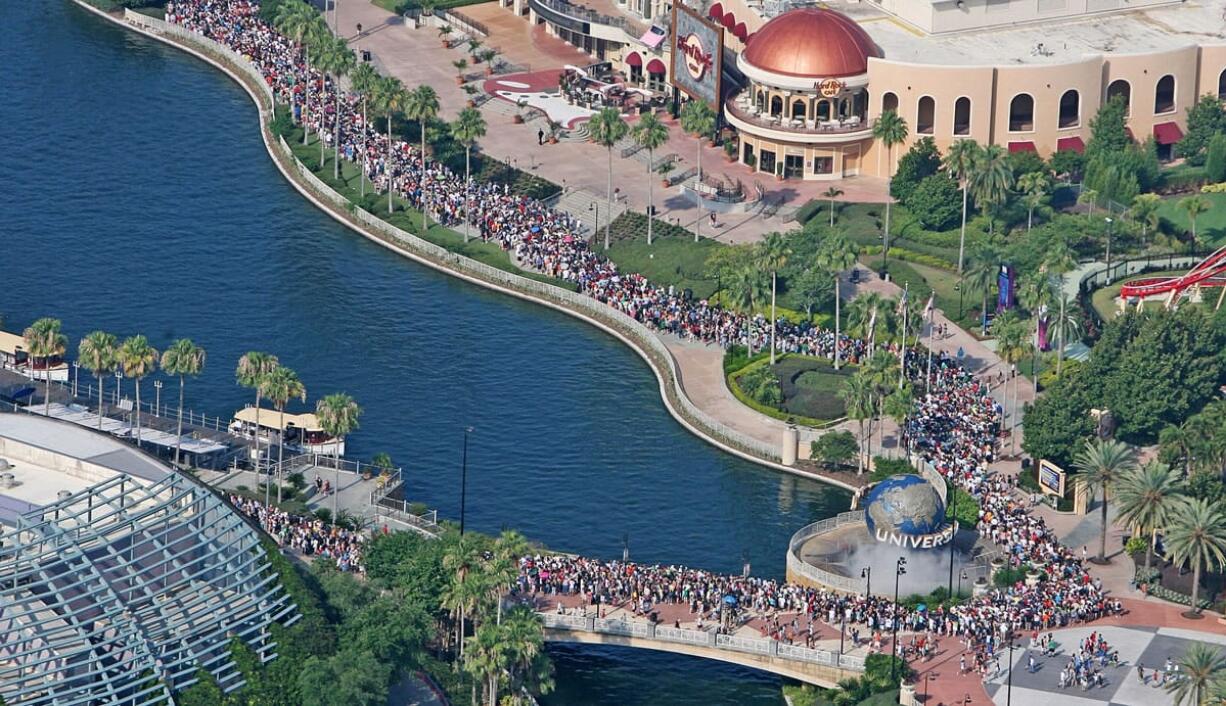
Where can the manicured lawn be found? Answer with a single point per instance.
(1104, 300)
(1210, 225)
(811, 386)
(864, 223)
(673, 258)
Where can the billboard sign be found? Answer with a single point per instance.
(1051, 478)
(697, 51)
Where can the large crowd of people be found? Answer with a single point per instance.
(308, 536)
(954, 425)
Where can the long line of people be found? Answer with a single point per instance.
(308, 536)
(954, 424)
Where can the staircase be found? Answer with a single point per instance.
(579, 203)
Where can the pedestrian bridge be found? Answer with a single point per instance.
(822, 668)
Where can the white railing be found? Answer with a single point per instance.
(564, 622)
(644, 338)
(684, 635)
(799, 567)
(613, 626)
(754, 645)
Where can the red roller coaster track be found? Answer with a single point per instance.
(1210, 272)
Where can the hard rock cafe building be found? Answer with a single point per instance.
(802, 87)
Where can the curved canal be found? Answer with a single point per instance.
(138, 198)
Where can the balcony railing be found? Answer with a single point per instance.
(763, 119)
(583, 14)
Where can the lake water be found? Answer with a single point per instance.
(138, 198)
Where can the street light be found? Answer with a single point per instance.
(867, 574)
(961, 577)
(118, 382)
(157, 398)
(900, 568)
(464, 479)
(76, 373)
(842, 630)
(1013, 426)
(593, 206)
(1109, 224)
(1009, 693)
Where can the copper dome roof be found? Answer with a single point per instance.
(813, 42)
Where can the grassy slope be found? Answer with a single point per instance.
(1210, 225)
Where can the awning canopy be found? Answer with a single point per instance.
(741, 31)
(1167, 133)
(271, 419)
(634, 59)
(1025, 146)
(716, 11)
(1073, 144)
(655, 66)
(729, 20)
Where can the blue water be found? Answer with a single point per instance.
(137, 197)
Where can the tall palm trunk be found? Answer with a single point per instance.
(493, 689)
(609, 201)
(962, 235)
(1195, 587)
(388, 167)
(1060, 336)
(281, 449)
(47, 387)
(860, 461)
(1102, 546)
(100, 402)
(256, 436)
(1029, 219)
(773, 326)
(138, 411)
(651, 196)
(179, 437)
(1153, 545)
(460, 634)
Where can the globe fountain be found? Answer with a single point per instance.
(901, 516)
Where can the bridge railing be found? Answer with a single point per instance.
(799, 567)
(700, 638)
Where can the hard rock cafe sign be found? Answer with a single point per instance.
(697, 60)
(830, 87)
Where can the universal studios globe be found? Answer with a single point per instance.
(903, 505)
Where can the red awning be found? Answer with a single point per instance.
(1128, 131)
(716, 11)
(633, 59)
(1021, 147)
(1167, 133)
(741, 32)
(655, 66)
(729, 20)
(1073, 144)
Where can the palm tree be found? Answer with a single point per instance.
(881, 370)
(891, 129)
(138, 359)
(1194, 206)
(650, 133)
(698, 119)
(1099, 467)
(466, 129)
(1034, 186)
(183, 358)
(835, 254)
(340, 61)
(1059, 258)
(463, 595)
(774, 252)
(1144, 210)
(252, 368)
(857, 396)
(606, 128)
(1064, 326)
(300, 22)
(960, 162)
(389, 97)
(280, 386)
(487, 658)
(523, 635)
(862, 315)
(746, 290)
(338, 416)
(991, 180)
(898, 405)
(44, 341)
(365, 81)
(421, 105)
(97, 352)
(1149, 497)
(502, 565)
(1013, 344)
(1197, 536)
(833, 193)
(1202, 669)
(982, 274)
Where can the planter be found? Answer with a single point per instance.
(459, 80)
(471, 104)
(665, 183)
(553, 140)
(1032, 579)
(517, 119)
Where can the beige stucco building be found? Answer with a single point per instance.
(1022, 74)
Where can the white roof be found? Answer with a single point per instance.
(271, 419)
(10, 342)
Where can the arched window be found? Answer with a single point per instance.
(1070, 109)
(1221, 85)
(1164, 95)
(823, 110)
(761, 100)
(776, 105)
(925, 115)
(1021, 113)
(798, 109)
(1123, 89)
(962, 116)
(889, 102)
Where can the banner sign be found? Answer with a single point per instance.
(1051, 478)
(697, 51)
(1006, 285)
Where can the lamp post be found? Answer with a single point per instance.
(118, 381)
(1009, 692)
(842, 630)
(76, 373)
(595, 207)
(867, 574)
(961, 577)
(157, 397)
(900, 568)
(464, 479)
(1013, 429)
(958, 288)
(1109, 224)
